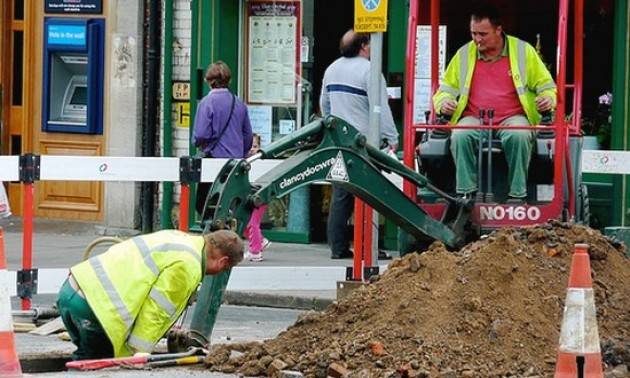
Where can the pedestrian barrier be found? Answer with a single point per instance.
(605, 161)
(578, 350)
(30, 168)
(9, 363)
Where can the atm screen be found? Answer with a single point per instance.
(79, 97)
(75, 100)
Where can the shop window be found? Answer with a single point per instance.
(18, 51)
(18, 9)
(16, 145)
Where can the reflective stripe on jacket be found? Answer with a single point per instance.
(138, 288)
(531, 78)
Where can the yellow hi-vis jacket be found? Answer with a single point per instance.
(529, 74)
(138, 288)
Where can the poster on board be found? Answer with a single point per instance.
(422, 84)
(273, 51)
(260, 119)
(74, 6)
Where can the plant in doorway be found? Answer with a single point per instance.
(600, 124)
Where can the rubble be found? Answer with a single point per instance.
(491, 309)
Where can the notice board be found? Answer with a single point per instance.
(422, 85)
(273, 52)
(74, 6)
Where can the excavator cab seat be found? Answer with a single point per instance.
(436, 162)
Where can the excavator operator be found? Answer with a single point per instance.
(500, 72)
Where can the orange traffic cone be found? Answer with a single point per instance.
(578, 353)
(9, 363)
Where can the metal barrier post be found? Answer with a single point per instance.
(189, 172)
(184, 200)
(27, 276)
(368, 231)
(359, 237)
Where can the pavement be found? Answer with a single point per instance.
(292, 277)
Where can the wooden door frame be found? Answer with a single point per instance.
(81, 200)
(12, 121)
(31, 27)
(29, 31)
(4, 136)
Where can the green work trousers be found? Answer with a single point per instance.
(517, 146)
(84, 328)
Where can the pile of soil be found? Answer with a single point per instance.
(492, 309)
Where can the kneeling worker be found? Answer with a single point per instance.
(123, 301)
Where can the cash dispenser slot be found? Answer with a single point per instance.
(73, 76)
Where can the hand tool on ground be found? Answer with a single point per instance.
(489, 191)
(37, 313)
(480, 195)
(190, 360)
(140, 360)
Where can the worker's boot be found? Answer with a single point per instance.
(343, 255)
(516, 200)
(470, 195)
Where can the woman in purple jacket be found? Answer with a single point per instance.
(222, 128)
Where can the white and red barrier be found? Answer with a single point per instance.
(30, 168)
(605, 161)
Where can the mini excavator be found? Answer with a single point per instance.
(331, 150)
(328, 150)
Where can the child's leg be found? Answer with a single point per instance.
(253, 227)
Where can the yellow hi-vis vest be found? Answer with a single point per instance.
(529, 74)
(138, 288)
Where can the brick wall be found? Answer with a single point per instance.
(181, 66)
(182, 17)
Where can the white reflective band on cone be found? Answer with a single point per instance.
(6, 324)
(579, 326)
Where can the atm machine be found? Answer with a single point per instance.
(73, 75)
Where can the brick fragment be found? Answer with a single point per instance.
(336, 370)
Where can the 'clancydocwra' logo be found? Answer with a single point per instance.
(103, 167)
(370, 5)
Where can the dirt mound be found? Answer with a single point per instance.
(492, 309)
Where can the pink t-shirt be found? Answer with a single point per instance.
(492, 87)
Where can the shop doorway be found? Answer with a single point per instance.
(330, 21)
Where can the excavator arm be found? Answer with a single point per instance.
(342, 157)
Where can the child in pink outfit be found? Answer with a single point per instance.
(257, 243)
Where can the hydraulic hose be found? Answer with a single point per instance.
(96, 242)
